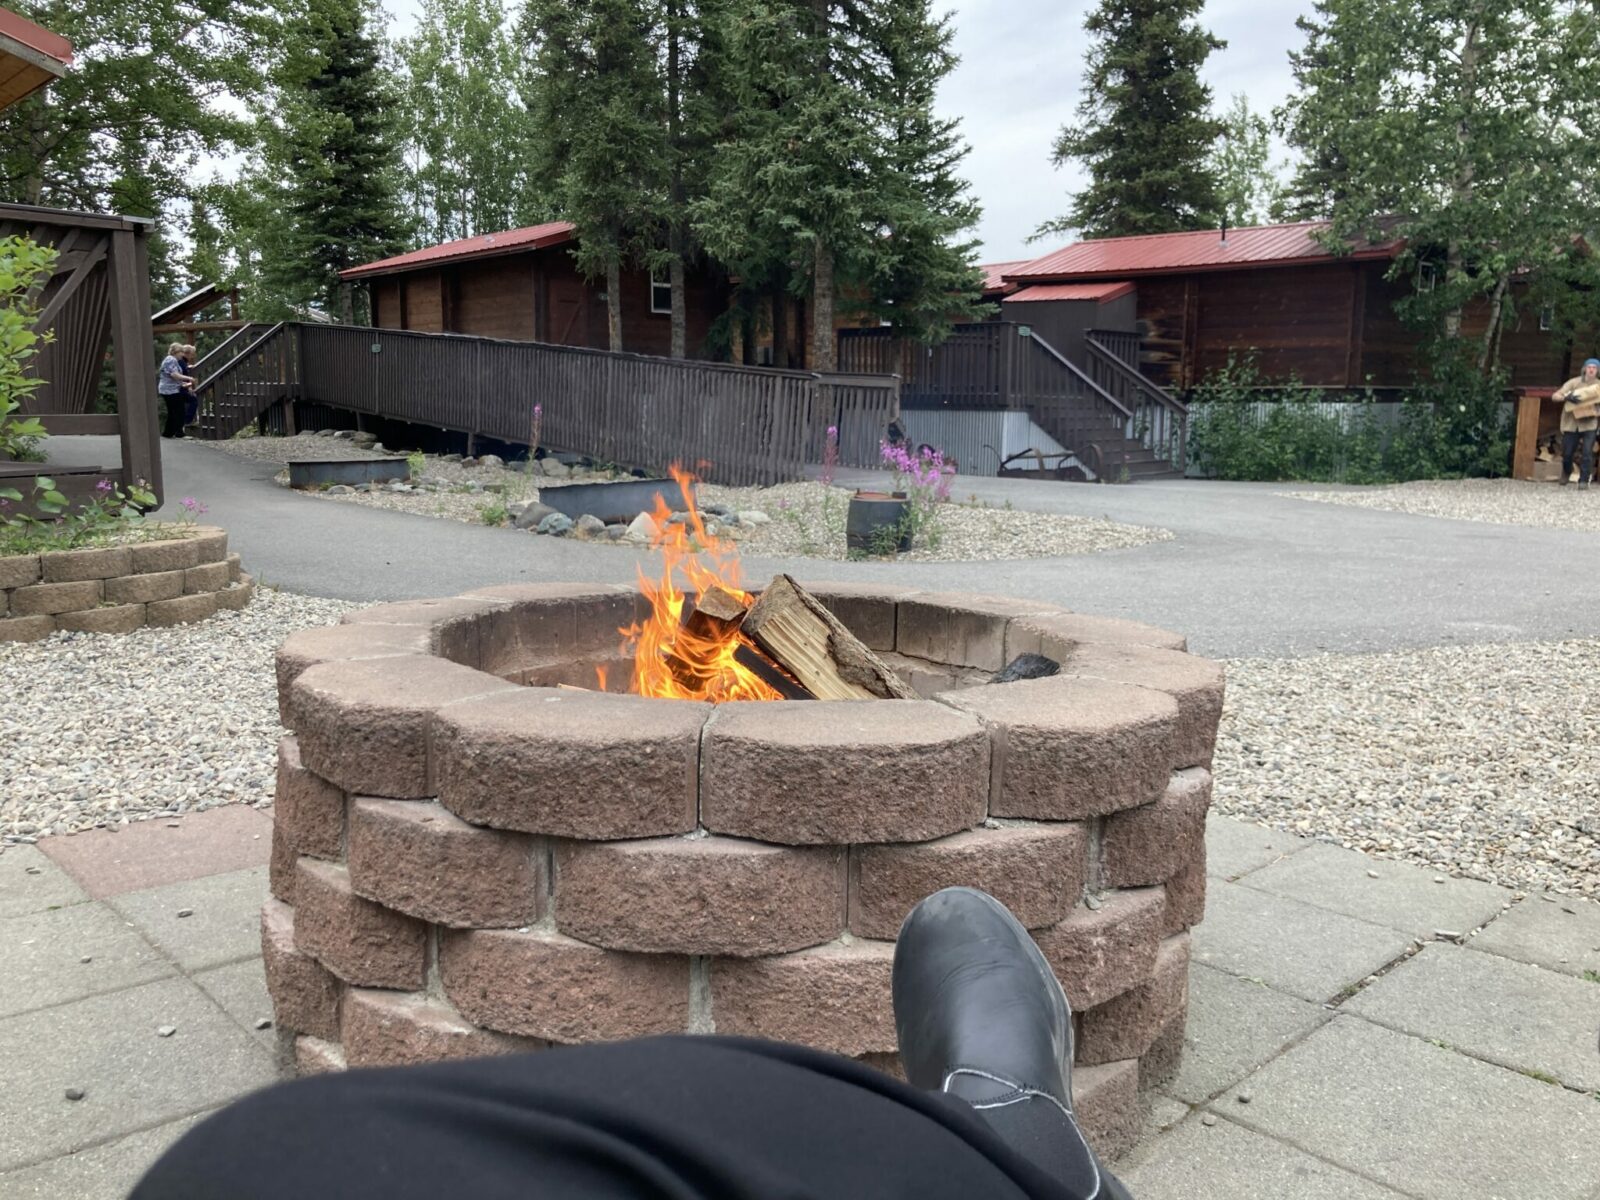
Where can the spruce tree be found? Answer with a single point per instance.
(1320, 178)
(835, 177)
(1144, 127)
(328, 183)
(599, 137)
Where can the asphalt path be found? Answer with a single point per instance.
(1249, 573)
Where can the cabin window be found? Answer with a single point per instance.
(1547, 318)
(660, 293)
(1426, 277)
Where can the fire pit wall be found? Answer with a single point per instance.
(469, 858)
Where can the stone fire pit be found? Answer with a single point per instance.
(469, 859)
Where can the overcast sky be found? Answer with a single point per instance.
(1018, 82)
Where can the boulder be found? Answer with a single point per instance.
(341, 489)
(554, 468)
(455, 458)
(347, 435)
(491, 460)
(556, 525)
(590, 526)
(643, 530)
(531, 514)
(754, 517)
(469, 462)
(616, 533)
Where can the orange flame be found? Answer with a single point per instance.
(672, 661)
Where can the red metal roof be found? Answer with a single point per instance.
(994, 273)
(533, 237)
(1201, 250)
(1102, 292)
(35, 37)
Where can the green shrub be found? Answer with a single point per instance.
(23, 265)
(1451, 425)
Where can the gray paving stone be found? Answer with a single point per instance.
(224, 925)
(1228, 1162)
(1310, 952)
(1559, 932)
(133, 1079)
(1163, 1113)
(1515, 1014)
(1234, 1026)
(105, 1172)
(1424, 1120)
(241, 989)
(30, 882)
(44, 955)
(1403, 897)
(1234, 847)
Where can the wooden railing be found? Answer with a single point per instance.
(228, 349)
(95, 307)
(265, 372)
(735, 425)
(1159, 421)
(1070, 406)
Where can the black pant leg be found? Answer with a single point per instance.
(1586, 463)
(678, 1118)
(1569, 450)
(172, 422)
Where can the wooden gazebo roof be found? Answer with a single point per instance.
(30, 57)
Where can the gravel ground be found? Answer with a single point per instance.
(807, 519)
(1474, 760)
(100, 729)
(1494, 501)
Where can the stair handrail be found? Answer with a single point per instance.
(227, 367)
(1077, 373)
(1133, 376)
(243, 331)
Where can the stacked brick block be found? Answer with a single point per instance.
(467, 860)
(118, 589)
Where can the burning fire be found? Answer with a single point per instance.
(675, 661)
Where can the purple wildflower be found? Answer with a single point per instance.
(103, 486)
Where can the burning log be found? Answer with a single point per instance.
(716, 614)
(810, 643)
(758, 664)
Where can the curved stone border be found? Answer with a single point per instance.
(463, 865)
(117, 589)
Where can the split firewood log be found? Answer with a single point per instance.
(804, 638)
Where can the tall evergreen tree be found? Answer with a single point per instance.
(835, 174)
(327, 186)
(467, 130)
(1144, 127)
(597, 110)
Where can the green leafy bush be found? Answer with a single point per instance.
(1452, 424)
(23, 266)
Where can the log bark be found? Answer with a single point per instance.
(809, 642)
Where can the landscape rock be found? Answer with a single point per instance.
(754, 516)
(341, 489)
(491, 460)
(531, 514)
(616, 533)
(556, 525)
(346, 435)
(643, 530)
(590, 526)
(554, 468)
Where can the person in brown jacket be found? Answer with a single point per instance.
(1576, 430)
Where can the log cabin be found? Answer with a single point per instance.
(1196, 298)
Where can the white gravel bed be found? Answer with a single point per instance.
(101, 729)
(1493, 501)
(1477, 761)
(807, 520)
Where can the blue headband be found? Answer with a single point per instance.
(1593, 362)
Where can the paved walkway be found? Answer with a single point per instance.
(1250, 572)
(1348, 1038)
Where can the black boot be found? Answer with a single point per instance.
(980, 1015)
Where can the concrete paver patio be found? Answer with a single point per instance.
(1328, 1056)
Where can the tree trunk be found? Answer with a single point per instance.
(675, 236)
(614, 300)
(1461, 186)
(1491, 336)
(680, 311)
(780, 324)
(823, 355)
